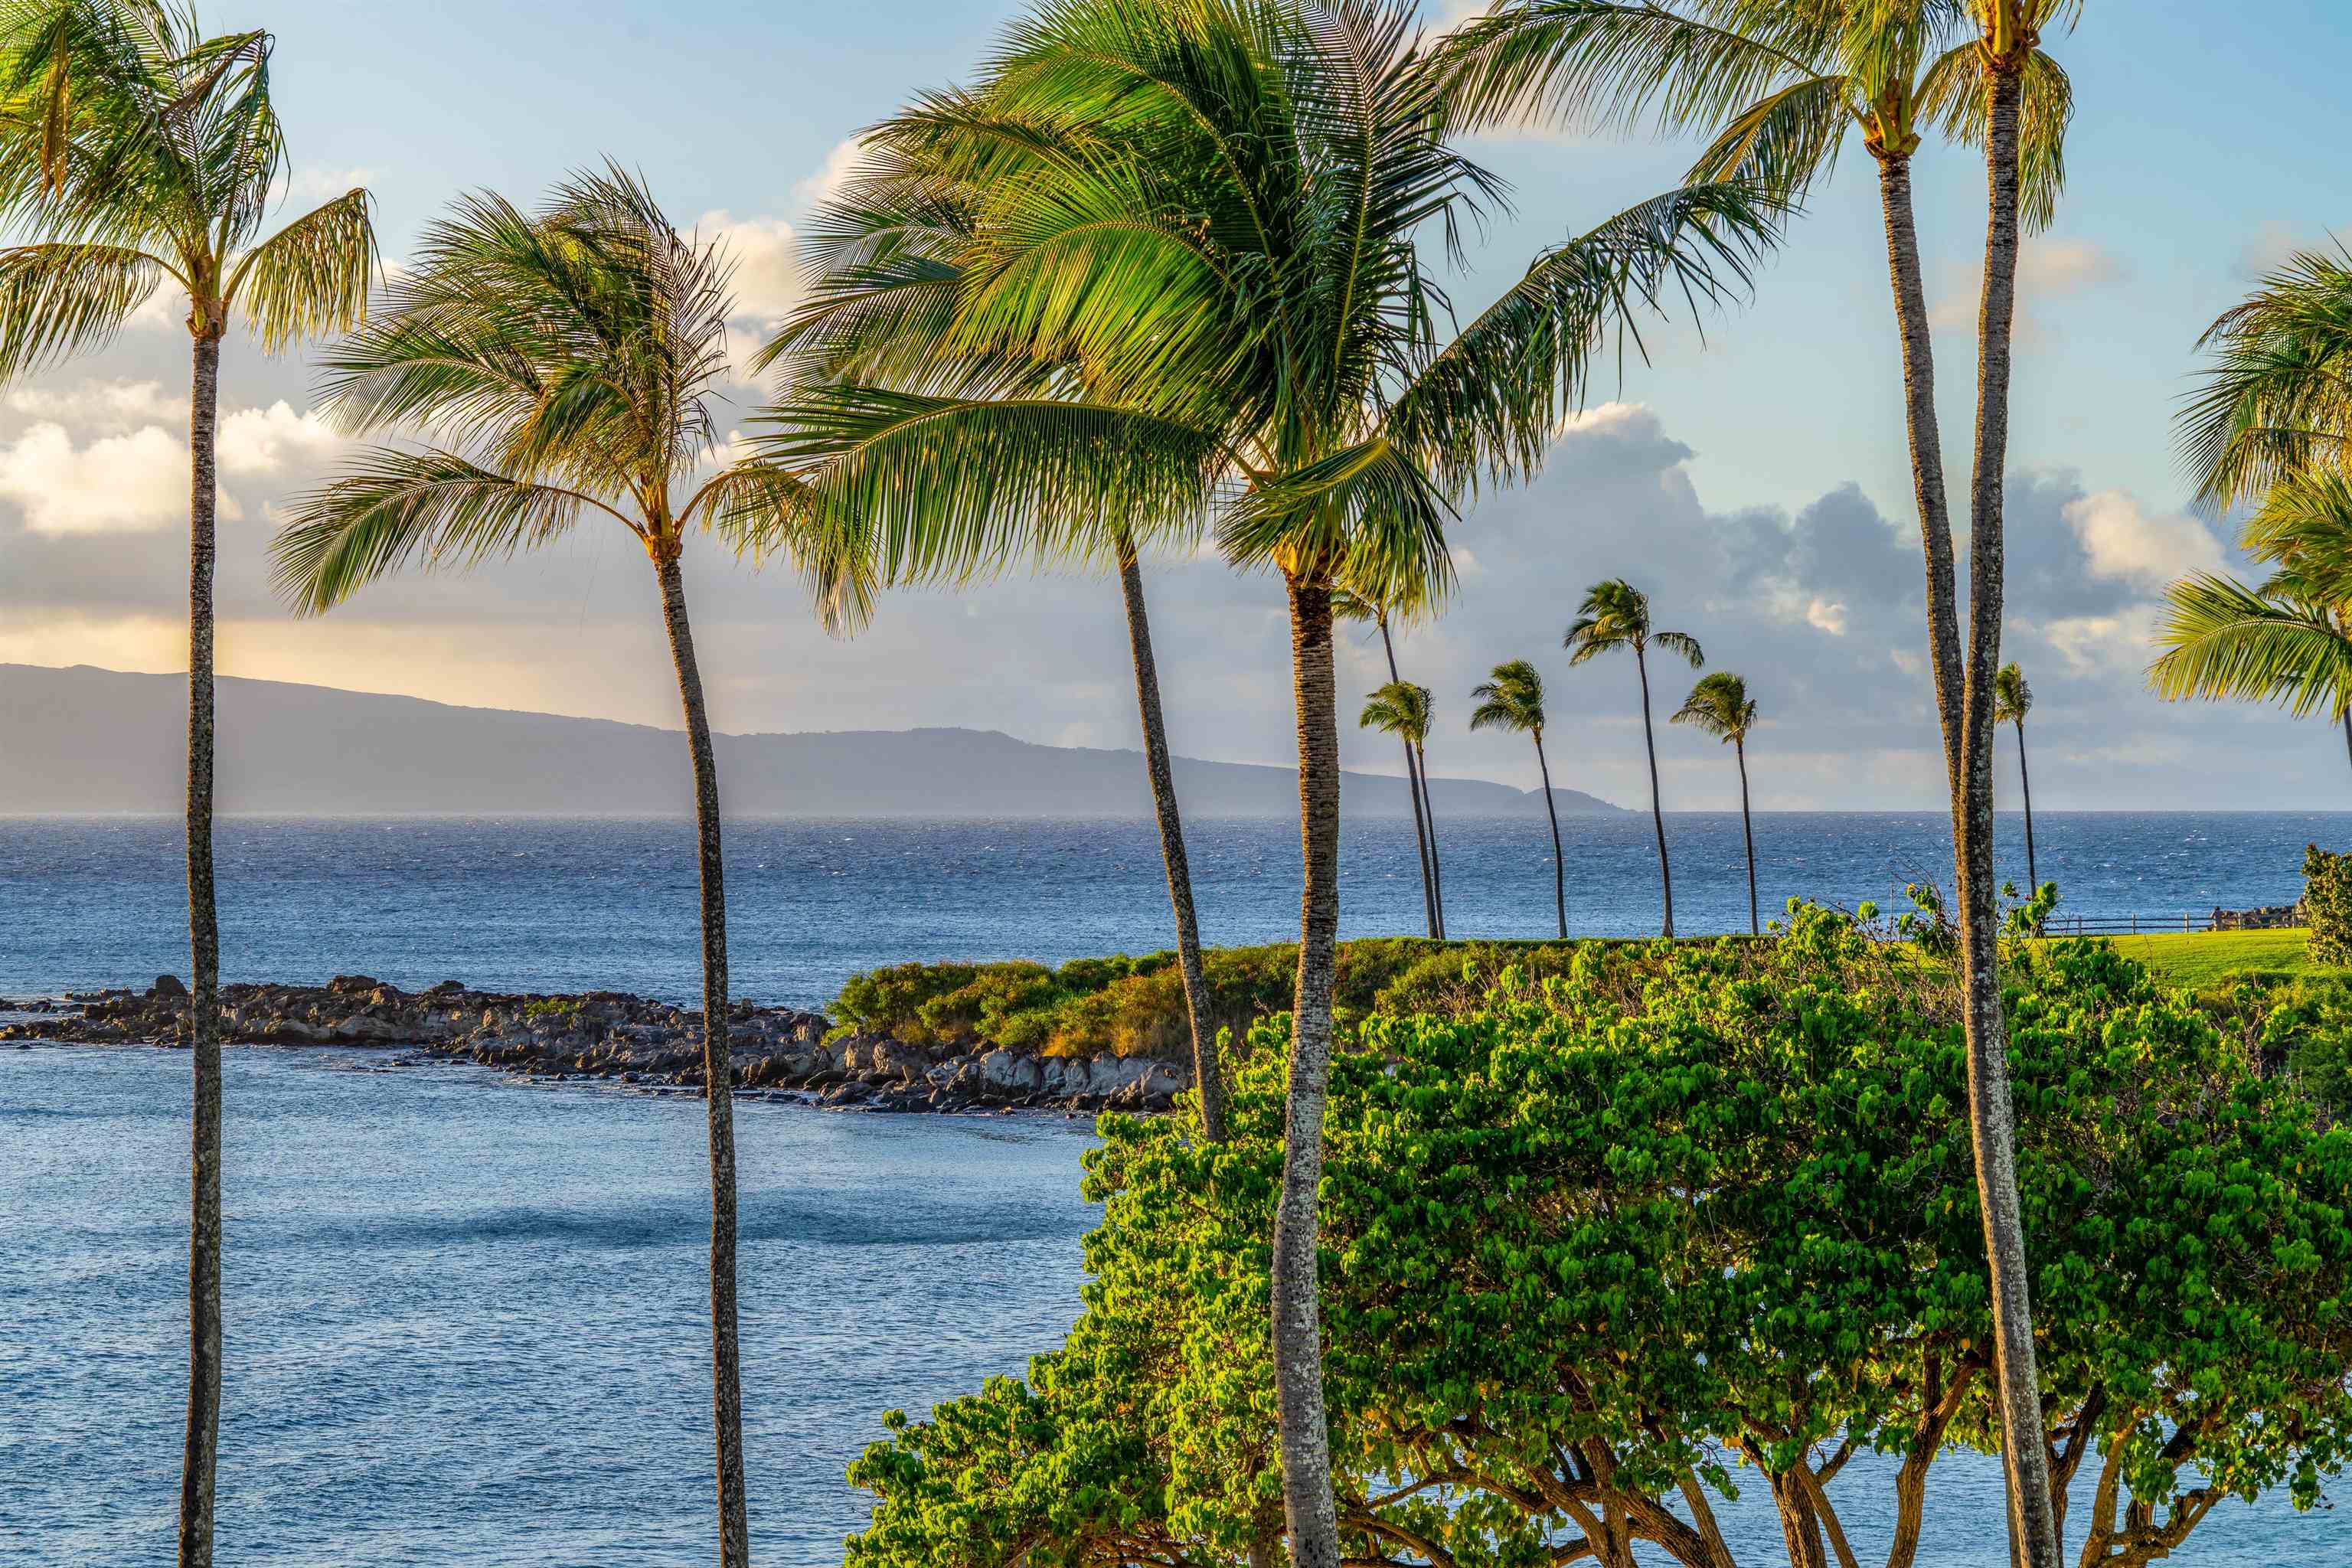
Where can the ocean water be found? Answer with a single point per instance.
(558, 904)
(465, 1316)
(466, 1320)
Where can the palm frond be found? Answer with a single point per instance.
(1366, 516)
(2220, 638)
(1784, 144)
(765, 512)
(1511, 698)
(2012, 695)
(1608, 64)
(393, 506)
(58, 301)
(311, 277)
(1682, 643)
(1399, 708)
(1718, 706)
(1493, 398)
(953, 488)
(2277, 395)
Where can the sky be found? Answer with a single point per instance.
(1752, 476)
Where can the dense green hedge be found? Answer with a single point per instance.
(1135, 1006)
(1679, 1226)
(2327, 905)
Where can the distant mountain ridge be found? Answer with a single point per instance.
(89, 740)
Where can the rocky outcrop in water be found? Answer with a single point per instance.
(609, 1034)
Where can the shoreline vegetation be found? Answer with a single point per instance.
(1091, 1035)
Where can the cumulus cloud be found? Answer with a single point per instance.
(765, 254)
(826, 183)
(99, 405)
(2049, 267)
(116, 484)
(2122, 541)
(273, 441)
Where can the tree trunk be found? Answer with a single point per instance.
(2033, 1528)
(2347, 733)
(717, 1092)
(1307, 1506)
(1207, 1078)
(1926, 451)
(1748, 831)
(1412, 779)
(1657, 811)
(200, 1456)
(1559, 862)
(2025, 785)
(1436, 871)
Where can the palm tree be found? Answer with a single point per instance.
(1778, 85)
(555, 365)
(1350, 606)
(1719, 706)
(2286, 639)
(1512, 698)
(1205, 220)
(1403, 709)
(2012, 699)
(135, 151)
(1616, 614)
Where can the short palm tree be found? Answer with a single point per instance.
(2286, 639)
(557, 365)
(1350, 606)
(1616, 614)
(2012, 699)
(1780, 86)
(1403, 709)
(1512, 698)
(1206, 221)
(136, 153)
(1719, 706)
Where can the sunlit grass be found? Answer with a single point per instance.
(2200, 959)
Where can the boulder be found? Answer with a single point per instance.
(167, 988)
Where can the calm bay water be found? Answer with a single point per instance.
(466, 1318)
(583, 904)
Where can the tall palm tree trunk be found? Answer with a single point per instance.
(1413, 780)
(1748, 831)
(1558, 861)
(199, 1457)
(2025, 787)
(1207, 1078)
(726, 1367)
(1926, 451)
(1657, 810)
(2348, 733)
(1438, 873)
(2034, 1532)
(1308, 1509)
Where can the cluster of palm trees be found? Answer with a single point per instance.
(1165, 270)
(1615, 615)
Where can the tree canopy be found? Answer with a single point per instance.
(1602, 1251)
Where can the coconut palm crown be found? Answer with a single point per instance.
(1719, 706)
(1400, 708)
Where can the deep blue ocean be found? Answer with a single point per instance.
(563, 905)
(466, 1315)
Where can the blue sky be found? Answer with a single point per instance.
(1758, 483)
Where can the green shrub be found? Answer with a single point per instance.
(2327, 905)
(1587, 1238)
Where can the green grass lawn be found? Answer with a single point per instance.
(2198, 959)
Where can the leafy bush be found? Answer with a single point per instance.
(2327, 905)
(1598, 1236)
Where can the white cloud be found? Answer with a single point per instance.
(2047, 268)
(1825, 616)
(117, 484)
(101, 405)
(823, 185)
(2124, 545)
(765, 253)
(266, 441)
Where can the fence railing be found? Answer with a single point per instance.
(2187, 921)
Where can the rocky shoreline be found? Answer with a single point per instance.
(603, 1035)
